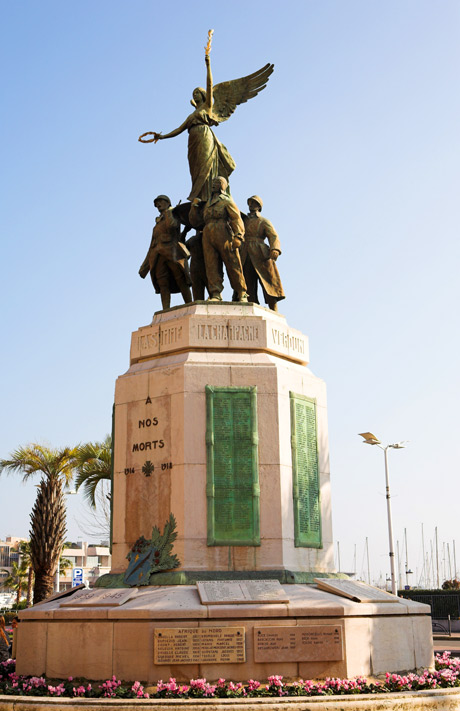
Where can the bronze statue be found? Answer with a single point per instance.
(223, 234)
(207, 157)
(197, 266)
(259, 259)
(194, 245)
(167, 257)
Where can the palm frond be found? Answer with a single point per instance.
(93, 465)
(37, 459)
(89, 481)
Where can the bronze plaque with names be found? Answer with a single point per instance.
(199, 645)
(232, 487)
(309, 643)
(305, 472)
(238, 592)
(99, 598)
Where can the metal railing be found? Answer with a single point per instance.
(442, 606)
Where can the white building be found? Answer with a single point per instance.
(95, 559)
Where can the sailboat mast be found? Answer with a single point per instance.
(437, 557)
(423, 557)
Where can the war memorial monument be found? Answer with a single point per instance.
(222, 542)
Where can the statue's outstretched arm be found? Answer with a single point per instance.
(207, 59)
(209, 84)
(159, 136)
(174, 133)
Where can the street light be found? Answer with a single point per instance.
(370, 438)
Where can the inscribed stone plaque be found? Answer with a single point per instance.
(232, 466)
(61, 595)
(99, 598)
(237, 592)
(305, 472)
(354, 590)
(144, 470)
(199, 645)
(309, 643)
(148, 434)
(265, 591)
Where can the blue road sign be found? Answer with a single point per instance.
(77, 577)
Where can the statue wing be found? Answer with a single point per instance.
(229, 94)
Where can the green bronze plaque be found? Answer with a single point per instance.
(232, 466)
(305, 472)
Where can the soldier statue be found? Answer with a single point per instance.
(258, 258)
(223, 234)
(197, 266)
(167, 257)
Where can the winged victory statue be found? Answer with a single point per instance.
(208, 158)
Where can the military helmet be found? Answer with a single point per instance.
(162, 197)
(223, 182)
(256, 199)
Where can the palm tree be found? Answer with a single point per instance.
(16, 580)
(24, 556)
(48, 526)
(94, 464)
(64, 565)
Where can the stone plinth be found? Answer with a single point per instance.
(162, 440)
(352, 638)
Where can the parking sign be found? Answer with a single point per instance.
(77, 577)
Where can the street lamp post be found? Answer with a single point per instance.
(369, 438)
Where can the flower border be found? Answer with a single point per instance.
(446, 675)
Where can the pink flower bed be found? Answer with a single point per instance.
(446, 675)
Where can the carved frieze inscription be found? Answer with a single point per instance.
(161, 338)
(288, 341)
(199, 645)
(224, 333)
(309, 643)
(219, 332)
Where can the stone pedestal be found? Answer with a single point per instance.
(220, 422)
(162, 456)
(95, 643)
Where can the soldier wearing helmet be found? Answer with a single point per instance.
(223, 235)
(167, 257)
(258, 258)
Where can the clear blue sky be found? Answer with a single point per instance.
(354, 147)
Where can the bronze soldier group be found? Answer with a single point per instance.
(224, 236)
